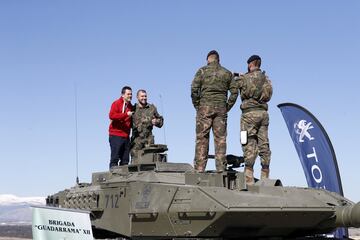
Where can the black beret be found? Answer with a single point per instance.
(212, 52)
(253, 58)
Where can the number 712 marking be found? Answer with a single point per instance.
(112, 200)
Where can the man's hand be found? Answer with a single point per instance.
(130, 113)
(236, 75)
(154, 121)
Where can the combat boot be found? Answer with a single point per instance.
(199, 165)
(220, 167)
(199, 169)
(264, 173)
(249, 176)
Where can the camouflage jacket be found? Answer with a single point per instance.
(255, 90)
(211, 85)
(142, 120)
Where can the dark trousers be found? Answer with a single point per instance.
(120, 148)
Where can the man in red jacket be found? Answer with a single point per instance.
(119, 129)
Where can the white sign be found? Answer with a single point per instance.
(50, 223)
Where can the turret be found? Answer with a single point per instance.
(151, 154)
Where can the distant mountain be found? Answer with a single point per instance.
(16, 210)
(8, 199)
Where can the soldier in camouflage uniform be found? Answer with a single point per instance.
(144, 118)
(209, 93)
(256, 91)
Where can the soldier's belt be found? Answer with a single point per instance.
(216, 105)
(253, 109)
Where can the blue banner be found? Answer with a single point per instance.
(315, 150)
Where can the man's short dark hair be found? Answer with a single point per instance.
(123, 90)
(139, 91)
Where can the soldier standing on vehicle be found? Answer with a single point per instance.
(255, 91)
(209, 93)
(144, 118)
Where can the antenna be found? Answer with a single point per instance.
(163, 112)
(76, 135)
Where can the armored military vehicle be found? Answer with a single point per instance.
(156, 199)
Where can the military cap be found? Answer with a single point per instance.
(213, 52)
(253, 58)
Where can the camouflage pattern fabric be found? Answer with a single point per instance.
(142, 128)
(211, 85)
(209, 94)
(256, 124)
(255, 90)
(208, 117)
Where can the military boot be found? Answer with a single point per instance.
(199, 167)
(249, 176)
(220, 166)
(264, 173)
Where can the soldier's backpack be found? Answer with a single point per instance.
(267, 90)
(264, 89)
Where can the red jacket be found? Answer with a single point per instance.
(120, 124)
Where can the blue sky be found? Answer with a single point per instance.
(309, 49)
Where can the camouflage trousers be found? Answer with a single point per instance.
(256, 123)
(137, 144)
(206, 118)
